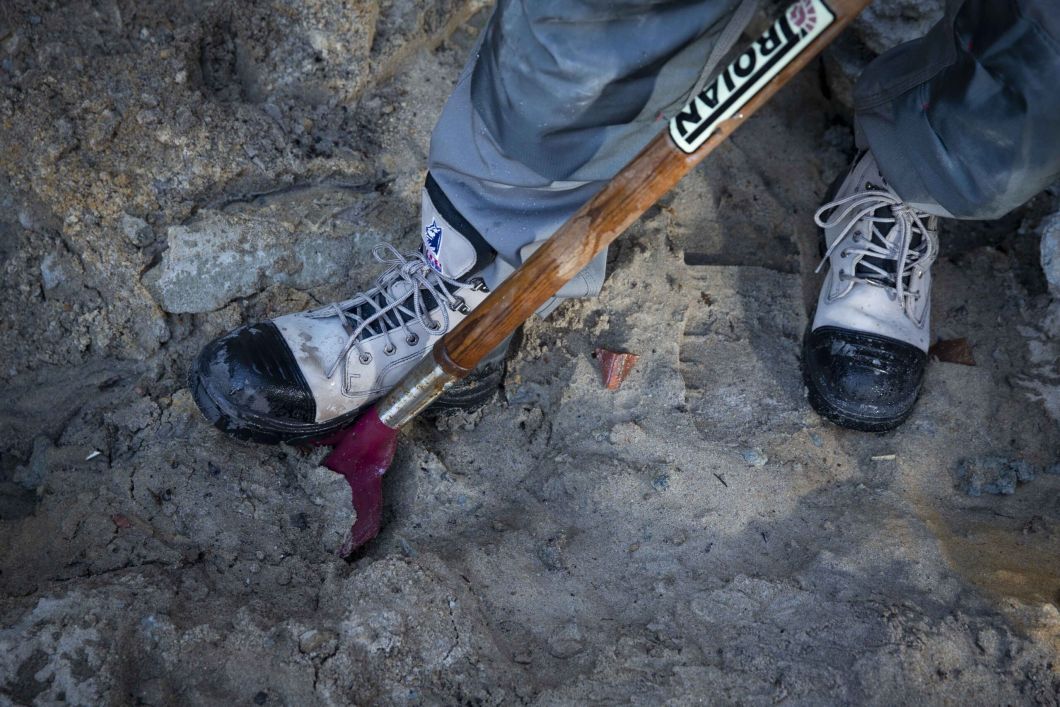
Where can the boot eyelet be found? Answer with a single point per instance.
(844, 254)
(365, 357)
(389, 349)
(478, 284)
(459, 305)
(412, 339)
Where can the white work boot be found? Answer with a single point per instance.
(302, 376)
(865, 353)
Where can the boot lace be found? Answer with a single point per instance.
(892, 258)
(406, 291)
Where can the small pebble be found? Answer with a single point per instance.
(754, 457)
(315, 642)
(566, 641)
(136, 230)
(551, 556)
(406, 549)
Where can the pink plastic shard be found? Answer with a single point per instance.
(615, 366)
(362, 454)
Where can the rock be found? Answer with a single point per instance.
(406, 548)
(136, 230)
(566, 641)
(1050, 233)
(551, 554)
(881, 26)
(136, 416)
(300, 238)
(318, 643)
(33, 474)
(887, 23)
(754, 457)
(310, 51)
(844, 61)
(332, 494)
(133, 576)
(51, 273)
(992, 475)
(625, 433)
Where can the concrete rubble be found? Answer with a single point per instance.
(171, 170)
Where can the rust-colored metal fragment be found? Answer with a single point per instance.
(953, 351)
(615, 366)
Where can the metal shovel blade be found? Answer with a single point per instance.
(362, 454)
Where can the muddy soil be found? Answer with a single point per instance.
(171, 170)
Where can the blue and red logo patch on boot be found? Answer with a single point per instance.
(432, 241)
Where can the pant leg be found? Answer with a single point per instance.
(966, 120)
(559, 95)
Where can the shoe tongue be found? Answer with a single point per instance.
(447, 250)
(399, 289)
(888, 265)
(404, 292)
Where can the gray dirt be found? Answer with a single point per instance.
(171, 170)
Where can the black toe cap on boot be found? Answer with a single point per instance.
(862, 381)
(249, 377)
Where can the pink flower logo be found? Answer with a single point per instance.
(803, 16)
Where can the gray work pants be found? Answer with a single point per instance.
(560, 94)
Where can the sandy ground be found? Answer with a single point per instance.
(699, 535)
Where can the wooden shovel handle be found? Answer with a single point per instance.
(640, 184)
